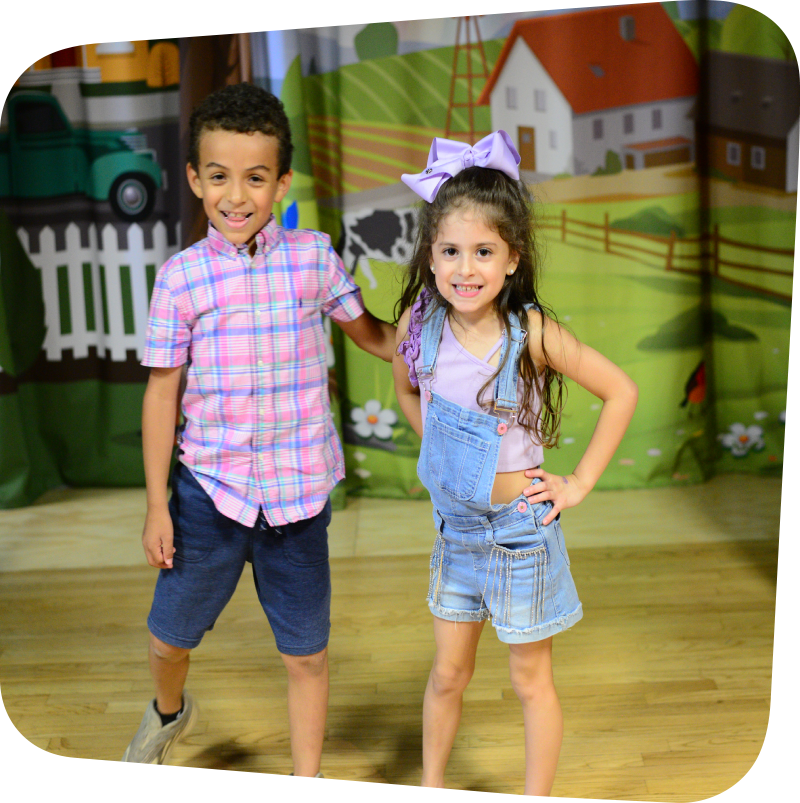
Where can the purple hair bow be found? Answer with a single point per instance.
(448, 157)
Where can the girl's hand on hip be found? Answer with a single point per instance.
(562, 490)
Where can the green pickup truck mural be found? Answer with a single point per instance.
(43, 156)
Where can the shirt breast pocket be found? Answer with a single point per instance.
(455, 459)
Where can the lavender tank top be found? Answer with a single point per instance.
(458, 377)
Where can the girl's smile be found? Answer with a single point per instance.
(470, 263)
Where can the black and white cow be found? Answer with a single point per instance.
(381, 234)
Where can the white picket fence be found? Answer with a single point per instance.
(108, 333)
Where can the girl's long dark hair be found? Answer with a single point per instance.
(507, 207)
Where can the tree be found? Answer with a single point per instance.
(376, 40)
(750, 33)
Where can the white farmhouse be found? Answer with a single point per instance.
(569, 88)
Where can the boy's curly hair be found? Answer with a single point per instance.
(242, 108)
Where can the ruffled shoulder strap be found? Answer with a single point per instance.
(409, 348)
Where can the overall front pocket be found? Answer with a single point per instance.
(455, 459)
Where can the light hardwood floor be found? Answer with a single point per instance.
(665, 683)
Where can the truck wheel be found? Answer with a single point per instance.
(132, 196)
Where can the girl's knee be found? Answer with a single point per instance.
(447, 677)
(531, 671)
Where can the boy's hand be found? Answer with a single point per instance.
(157, 538)
(562, 491)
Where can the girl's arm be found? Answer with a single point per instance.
(601, 377)
(407, 394)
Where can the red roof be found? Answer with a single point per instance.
(595, 68)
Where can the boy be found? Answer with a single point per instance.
(258, 454)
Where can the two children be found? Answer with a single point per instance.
(258, 454)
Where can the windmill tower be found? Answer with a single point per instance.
(465, 70)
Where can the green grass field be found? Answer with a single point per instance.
(414, 90)
(651, 323)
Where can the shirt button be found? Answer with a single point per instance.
(261, 363)
(522, 507)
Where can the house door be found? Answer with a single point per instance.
(527, 147)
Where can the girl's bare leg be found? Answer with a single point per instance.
(456, 645)
(531, 672)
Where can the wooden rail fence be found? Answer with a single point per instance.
(708, 252)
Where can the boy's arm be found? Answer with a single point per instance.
(407, 394)
(159, 413)
(371, 334)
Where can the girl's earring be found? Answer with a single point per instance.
(433, 269)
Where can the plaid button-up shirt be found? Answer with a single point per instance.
(258, 428)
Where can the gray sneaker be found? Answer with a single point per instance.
(153, 741)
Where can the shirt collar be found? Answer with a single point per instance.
(266, 238)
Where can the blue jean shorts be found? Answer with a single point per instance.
(290, 568)
(507, 566)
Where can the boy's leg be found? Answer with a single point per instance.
(157, 734)
(293, 582)
(456, 645)
(211, 551)
(168, 666)
(308, 709)
(532, 679)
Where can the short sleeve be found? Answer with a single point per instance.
(342, 298)
(168, 336)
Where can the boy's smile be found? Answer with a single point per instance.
(237, 180)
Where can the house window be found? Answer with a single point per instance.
(597, 129)
(539, 100)
(511, 97)
(733, 153)
(627, 123)
(553, 140)
(758, 157)
(658, 120)
(627, 28)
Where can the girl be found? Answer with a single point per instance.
(474, 336)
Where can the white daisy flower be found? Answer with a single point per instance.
(741, 439)
(372, 419)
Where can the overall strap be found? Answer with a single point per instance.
(429, 348)
(505, 388)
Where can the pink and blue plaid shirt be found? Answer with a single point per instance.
(259, 431)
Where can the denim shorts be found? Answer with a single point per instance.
(290, 568)
(506, 566)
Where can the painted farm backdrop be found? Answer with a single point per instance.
(663, 152)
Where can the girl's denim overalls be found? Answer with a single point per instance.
(488, 560)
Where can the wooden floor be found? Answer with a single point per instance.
(665, 683)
